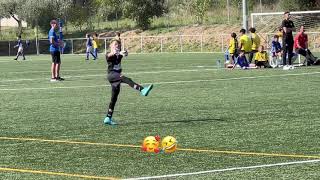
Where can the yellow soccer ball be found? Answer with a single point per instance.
(151, 144)
(169, 144)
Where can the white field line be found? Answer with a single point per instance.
(170, 82)
(101, 75)
(239, 78)
(224, 170)
(48, 71)
(5, 61)
(81, 70)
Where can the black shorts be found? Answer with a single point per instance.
(262, 63)
(114, 78)
(55, 57)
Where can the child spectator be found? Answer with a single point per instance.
(242, 61)
(255, 43)
(233, 47)
(276, 47)
(280, 35)
(245, 42)
(20, 51)
(89, 47)
(261, 58)
(95, 45)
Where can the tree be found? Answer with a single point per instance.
(81, 13)
(35, 12)
(200, 8)
(78, 17)
(110, 9)
(12, 9)
(142, 11)
(299, 5)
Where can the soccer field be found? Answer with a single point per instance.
(240, 124)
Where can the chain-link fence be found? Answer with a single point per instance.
(213, 43)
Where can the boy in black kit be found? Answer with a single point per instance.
(116, 78)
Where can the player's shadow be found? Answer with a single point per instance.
(204, 120)
(160, 122)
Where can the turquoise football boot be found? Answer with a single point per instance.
(109, 121)
(145, 91)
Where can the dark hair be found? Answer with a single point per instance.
(234, 35)
(252, 30)
(275, 36)
(19, 36)
(118, 33)
(280, 29)
(53, 21)
(115, 40)
(243, 31)
(287, 12)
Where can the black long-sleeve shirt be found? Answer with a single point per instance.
(114, 63)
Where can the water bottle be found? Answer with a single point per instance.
(218, 64)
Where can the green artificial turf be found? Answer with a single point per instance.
(268, 113)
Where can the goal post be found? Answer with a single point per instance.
(271, 21)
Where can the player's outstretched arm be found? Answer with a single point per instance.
(124, 53)
(110, 54)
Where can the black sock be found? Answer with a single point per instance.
(137, 87)
(110, 112)
(131, 83)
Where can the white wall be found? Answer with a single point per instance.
(10, 22)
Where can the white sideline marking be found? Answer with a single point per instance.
(240, 78)
(48, 71)
(130, 73)
(203, 66)
(227, 169)
(172, 82)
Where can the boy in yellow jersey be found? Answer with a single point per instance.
(245, 42)
(233, 47)
(280, 34)
(255, 43)
(95, 44)
(261, 58)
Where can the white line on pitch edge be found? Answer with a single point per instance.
(224, 170)
(47, 71)
(172, 82)
(101, 75)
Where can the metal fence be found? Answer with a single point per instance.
(213, 43)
